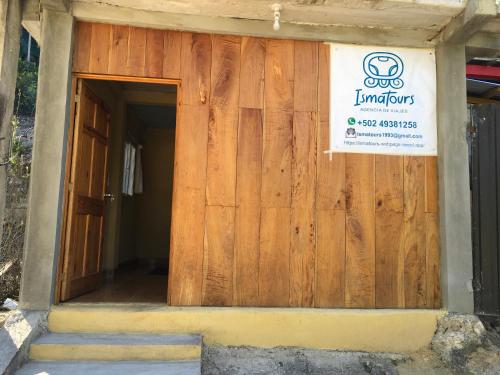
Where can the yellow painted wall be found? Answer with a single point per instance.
(154, 206)
(340, 329)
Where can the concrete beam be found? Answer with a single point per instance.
(471, 20)
(10, 28)
(43, 228)
(31, 18)
(454, 191)
(483, 45)
(55, 5)
(101, 12)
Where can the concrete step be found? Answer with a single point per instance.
(115, 347)
(111, 368)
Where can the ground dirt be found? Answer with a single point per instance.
(292, 361)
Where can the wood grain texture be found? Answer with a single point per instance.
(432, 261)
(389, 266)
(274, 268)
(99, 50)
(218, 256)
(431, 184)
(188, 206)
(253, 57)
(414, 232)
(303, 230)
(279, 75)
(306, 76)
(118, 54)
(360, 231)
(171, 54)
(253, 125)
(221, 154)
(247, 227)
(154, 53)
(330, 191)
(324, 82)
(136, 63)
(277, 159)
(81, 53)
(330, 258)
(225, 72)
(196, 60)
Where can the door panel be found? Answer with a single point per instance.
(87, 186)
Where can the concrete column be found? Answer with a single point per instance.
(42, 244)
(454, 191)
(10, 32)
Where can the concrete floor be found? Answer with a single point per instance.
(138, 286)
(110, 368)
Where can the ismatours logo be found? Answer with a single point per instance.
(383, 70)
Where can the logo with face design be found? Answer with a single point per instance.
(383, 69)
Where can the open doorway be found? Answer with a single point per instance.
(117, 238)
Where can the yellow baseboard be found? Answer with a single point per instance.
(339, 329)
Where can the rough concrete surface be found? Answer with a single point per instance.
(292, 361)
(17, 333)
(457, 336)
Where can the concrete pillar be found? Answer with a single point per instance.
(454, 190)
(42, 244)
(10, 32)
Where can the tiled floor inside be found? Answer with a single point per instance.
(138, 286)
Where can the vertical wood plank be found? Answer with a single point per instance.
(253, 57)
(431, 184)
(154, 53)
(119, 50)
(101, 44)
(330, 254)
(389, 267)
(188, 206)
(223, 123)
(247, 227)
(137, 52)
(414, 232)
(276, 159)
(305, 76)
(303, 230)
(196, 60)
(218, 256)
(81, 54)
(172, 54)
(225, 72)
(360, 231)
(274, 257)
(279, 74)
(432, 261)
(330, 192)
(221, 153)
(324, 82)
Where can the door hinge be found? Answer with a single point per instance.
(70, 187)
(77, 98)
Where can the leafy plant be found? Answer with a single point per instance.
(27, 77)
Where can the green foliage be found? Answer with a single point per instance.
(27, 77)
(16, 160)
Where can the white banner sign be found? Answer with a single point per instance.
(382, 100)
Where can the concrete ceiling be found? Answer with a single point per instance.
(408, 14)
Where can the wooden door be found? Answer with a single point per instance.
(86, 201)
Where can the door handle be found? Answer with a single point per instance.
(110, 196)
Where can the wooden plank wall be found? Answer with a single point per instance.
(261, 217)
